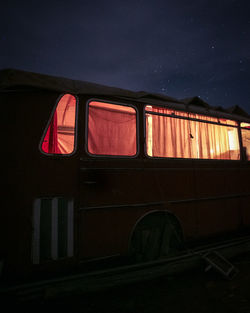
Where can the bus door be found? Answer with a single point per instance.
(108, 179)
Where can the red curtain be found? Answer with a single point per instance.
(60, 135)
(50, 142)
(111, 129)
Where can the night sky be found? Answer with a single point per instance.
(180, 48)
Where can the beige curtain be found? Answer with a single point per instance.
(180, 138)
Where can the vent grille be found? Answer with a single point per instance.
(52, 229)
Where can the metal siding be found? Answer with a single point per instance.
(36, 232)
(45, 229)
(70, 245)
(54, 229)
(62, 227)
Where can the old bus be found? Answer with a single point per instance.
(93, 172)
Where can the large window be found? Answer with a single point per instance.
(245, 133)
(59, 137)
(111, 129)
(176, 134)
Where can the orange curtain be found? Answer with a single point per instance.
(245, 133)
(111, 129)
(181, 138)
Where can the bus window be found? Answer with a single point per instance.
(111, 129)
(173, 134)
(60, 134)
(245, 133)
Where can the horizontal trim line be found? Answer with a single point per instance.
(100, 258)
(111, 168)
(191, 168)
(211, 198)
(133, 205)
(122, 205)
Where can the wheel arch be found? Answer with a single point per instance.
(153, 212)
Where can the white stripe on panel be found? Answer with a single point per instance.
(54, 229)
(70, 243)
(36, 232)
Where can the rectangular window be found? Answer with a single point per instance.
(111, 129)
(245, 133)
(180, 137)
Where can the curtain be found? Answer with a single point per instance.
(181, 138)
(111, 129)
(60, 135)
(50, 142)
(245, 133)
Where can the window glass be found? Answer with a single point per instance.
(60, 134)
(111, 129)
(171, 137)
(245, 133)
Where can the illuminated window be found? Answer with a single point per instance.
(60, 133)
(111, 129)
(173, 134)
(245, 133)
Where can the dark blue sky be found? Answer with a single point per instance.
(178, 47)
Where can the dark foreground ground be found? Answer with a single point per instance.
(189, 292)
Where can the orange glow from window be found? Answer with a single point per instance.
(174, 137)
(245, 134)
(111, 129)
(60, 134)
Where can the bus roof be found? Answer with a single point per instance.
(10, 78)
(13, 79)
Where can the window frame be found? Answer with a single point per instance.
(190, 119)
(246, 128)
(49, 121)
(86, 130)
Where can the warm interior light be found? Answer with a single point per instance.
(111, 129)
(149, 132)
(233, 139)
(247, 125)
(245, 134)
(60, 134)
(167, 136)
